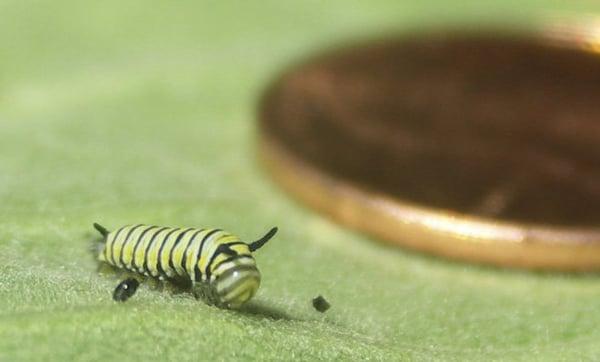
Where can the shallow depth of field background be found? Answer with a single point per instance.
(133, 111)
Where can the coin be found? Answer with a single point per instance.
(482, 147)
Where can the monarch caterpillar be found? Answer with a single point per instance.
(217, 266)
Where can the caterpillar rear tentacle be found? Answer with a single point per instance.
(101, 229)
(215, 265)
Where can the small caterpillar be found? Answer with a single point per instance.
(218, 266)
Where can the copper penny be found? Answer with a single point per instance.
(482, 147)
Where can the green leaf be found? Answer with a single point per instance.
(127, 111)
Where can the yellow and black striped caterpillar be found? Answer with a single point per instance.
(217, 266)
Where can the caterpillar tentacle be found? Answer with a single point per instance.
(262, 241)
(101, 229)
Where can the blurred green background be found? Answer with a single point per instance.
(135, 111)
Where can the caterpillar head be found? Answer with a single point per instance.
(237, 284)
(237, 278)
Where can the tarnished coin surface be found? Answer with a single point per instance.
(478, 147)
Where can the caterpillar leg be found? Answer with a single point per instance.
(154, 284)
(204, 292)
(125, 290)
(175, 286)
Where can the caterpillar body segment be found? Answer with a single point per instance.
(217, 265)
